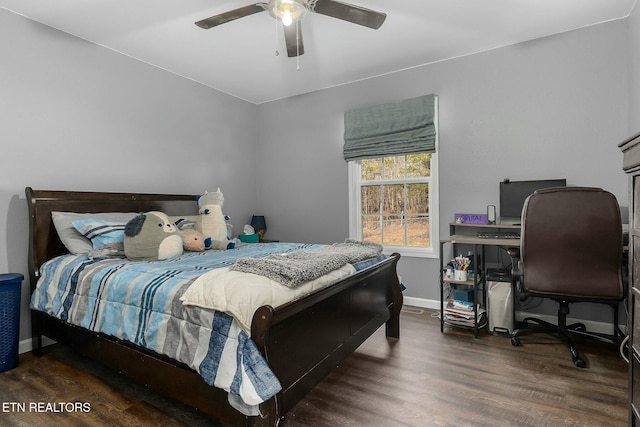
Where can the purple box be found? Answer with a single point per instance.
(462, 218)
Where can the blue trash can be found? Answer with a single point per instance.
(10, 287)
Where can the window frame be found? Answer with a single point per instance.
(355, 210)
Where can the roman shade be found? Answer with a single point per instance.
(391, 129)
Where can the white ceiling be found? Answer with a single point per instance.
(239, 57)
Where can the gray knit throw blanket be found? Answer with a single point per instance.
(298, 267)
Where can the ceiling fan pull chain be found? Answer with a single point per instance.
(276, 34)
(298, 46)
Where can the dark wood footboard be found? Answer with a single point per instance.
(305, 340)
(302, 341)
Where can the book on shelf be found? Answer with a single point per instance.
(461, 322)
(462, 308)
(461, 313)
(462, 304)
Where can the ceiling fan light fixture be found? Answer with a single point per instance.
(287, 11)
(286, 18)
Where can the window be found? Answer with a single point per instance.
(391, 152)
(393, 201)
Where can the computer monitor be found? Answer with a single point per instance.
(514, 193)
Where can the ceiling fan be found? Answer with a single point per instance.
(292, 11)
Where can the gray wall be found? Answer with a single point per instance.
(76, 116)
(633, 35)
(550, 108)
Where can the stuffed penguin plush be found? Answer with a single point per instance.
(151, 236)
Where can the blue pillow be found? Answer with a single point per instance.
(101, 232)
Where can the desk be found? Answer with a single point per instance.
(474, 240)
(455, 227)
(479, 282)
(463, 232)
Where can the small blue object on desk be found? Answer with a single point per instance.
(10, 288)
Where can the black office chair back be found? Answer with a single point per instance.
(571, 245)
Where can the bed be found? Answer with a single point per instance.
(300, 341)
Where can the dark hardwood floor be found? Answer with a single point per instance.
(424, 379)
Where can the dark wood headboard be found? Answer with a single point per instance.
(44, 242)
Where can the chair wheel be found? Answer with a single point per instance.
(580, 327)
(515, 342)
(580, 363)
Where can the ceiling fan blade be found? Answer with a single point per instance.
(347, 12)
(231, 15)
(293, 39)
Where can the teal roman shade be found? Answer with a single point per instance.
(391, 129)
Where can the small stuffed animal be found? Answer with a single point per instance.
(188, 227)
(212, 221)
(193, 240)
(151, 236)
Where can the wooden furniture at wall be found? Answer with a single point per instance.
(631, 165)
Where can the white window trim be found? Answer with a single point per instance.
(355, 210)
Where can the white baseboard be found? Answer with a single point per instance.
(597, 327)
(422, 302)
(26, 346)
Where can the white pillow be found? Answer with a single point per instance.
(72, 239)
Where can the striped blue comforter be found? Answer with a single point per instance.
(140, 302)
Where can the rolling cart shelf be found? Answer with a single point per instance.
(479, 282)
(476, 284)
(459, 325)
(459, 282)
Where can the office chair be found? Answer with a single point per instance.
(570, 251)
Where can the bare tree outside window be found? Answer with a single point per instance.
(395, 199)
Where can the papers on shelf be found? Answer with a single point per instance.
(461, 313)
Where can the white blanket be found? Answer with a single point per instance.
(241, 294)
